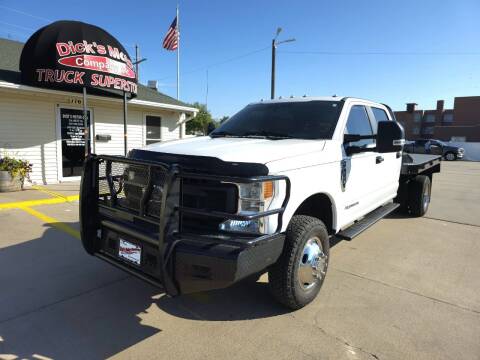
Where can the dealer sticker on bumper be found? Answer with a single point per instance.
(129, 251)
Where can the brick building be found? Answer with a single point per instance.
(462, 123)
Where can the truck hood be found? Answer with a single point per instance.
(239, 149)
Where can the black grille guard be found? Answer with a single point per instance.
(91, 207)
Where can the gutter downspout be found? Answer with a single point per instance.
(183, 120)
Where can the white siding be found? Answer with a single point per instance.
(28, 129)
(170, 127)
(109, 121)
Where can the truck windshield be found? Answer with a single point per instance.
(282, 120)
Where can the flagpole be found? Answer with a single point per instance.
(178, 56)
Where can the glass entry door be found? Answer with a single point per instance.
(73, 141)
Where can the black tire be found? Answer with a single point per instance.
(420, 189)
(283, 276)
(450, 156)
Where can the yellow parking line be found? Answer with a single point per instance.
(49, 192)
(52, 221)
(29, 203)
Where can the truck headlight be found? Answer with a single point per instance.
(253, 199)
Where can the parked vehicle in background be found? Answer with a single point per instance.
(434, 147)
(266, 191)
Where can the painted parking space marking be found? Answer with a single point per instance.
(48, 201)
(49, 192)
(52, 221)
(56, 198)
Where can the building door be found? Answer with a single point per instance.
(72, 138)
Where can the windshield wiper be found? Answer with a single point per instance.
(222, 134)
(267, 135)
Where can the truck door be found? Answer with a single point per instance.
(358, 181)
(387, 165)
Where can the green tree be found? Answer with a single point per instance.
(223, 119)
(200, 122)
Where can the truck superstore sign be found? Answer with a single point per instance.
(80, 55)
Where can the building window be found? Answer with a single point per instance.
(416, 130)
(448, 118)
(430, 118)
(428, 130)
(154, 126)
(417, 117)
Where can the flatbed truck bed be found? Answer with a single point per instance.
(414, 164)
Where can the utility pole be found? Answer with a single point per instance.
(275, 43)
(272, 85)
(206, 93)
(137, 61)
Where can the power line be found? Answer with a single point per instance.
(13, 35)
(220, 62)
(17, 26)
(387, 53)
(25, 13)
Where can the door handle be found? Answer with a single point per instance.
(379, 159)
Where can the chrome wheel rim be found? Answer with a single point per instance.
(312, 265)
(426, 197)
(450, 157)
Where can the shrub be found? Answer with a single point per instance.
(17, 168)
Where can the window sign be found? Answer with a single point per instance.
(73, 140)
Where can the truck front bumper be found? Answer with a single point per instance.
(159, 250)
(195, 263)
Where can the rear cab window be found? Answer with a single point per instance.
(377, 115)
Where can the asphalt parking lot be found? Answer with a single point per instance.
(404, 289)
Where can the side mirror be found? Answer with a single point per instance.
(390, 137)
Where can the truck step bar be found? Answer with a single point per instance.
(370, 219)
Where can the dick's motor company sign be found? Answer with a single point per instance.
(88, 57)
(107, 66)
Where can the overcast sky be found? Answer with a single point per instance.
(388, 51)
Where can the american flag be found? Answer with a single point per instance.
(171, 39)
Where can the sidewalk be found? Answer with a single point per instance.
(38, 192)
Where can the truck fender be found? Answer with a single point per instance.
(319, 205)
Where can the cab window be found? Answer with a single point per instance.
(378, 115)
(358, 123)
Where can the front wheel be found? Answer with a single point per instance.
(450, 156)
(296, 278)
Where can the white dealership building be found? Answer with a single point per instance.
(35, 121)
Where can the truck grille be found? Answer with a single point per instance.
(207, 195)
(125, 186)
(138, 189)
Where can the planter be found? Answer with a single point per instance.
(7, 183)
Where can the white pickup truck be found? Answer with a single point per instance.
(266, 191)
